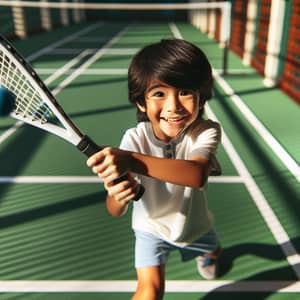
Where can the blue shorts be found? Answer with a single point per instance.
(153, 251)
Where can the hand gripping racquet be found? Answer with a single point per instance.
(36, 105)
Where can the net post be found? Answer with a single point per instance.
(19, 21)
(225, 34)
(225, 58)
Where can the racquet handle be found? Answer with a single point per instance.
(88, 147)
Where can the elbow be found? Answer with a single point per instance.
(200, 179)
(203, 182)
(198, 174)
(199, 184)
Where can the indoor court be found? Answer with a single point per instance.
(56, 239)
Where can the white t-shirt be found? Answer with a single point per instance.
(177, 214)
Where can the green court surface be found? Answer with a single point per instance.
(57, 240)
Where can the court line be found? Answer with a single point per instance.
(93, 179)
(63, 41)
(94, 71)
(269, 139)
(90, 61)
(56, 73)
(122, 286)
(260, 201)
(111, 51)
(104, 71)
(7, 133)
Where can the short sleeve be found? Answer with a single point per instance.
(206, 139)
(134, 139)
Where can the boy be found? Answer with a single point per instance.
(171, 153)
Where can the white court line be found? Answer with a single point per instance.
(269, 139)
(260, 201)
(123, 286)
(110, 51)
(63, 41)
(94, 71)
(66, 68)
(90, 61)
(92, 179)
(117, 71)
(7, 133)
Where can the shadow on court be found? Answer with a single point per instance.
(281, 277)
(50, 210)
(227, 292)
(233, 291)
(266, 251)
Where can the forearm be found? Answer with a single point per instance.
(114, 207)
(193, 172)
(120, 194)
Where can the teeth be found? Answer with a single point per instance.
(174, 119)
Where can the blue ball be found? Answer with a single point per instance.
(7, 101)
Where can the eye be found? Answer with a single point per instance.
(186, 93)
(156, 94)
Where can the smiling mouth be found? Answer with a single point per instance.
(174, 120)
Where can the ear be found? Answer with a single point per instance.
(141, 107)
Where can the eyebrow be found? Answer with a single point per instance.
(155, 87)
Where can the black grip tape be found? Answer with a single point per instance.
(89, 147)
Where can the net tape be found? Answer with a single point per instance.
(224, 6)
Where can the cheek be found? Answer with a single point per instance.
(193, 107)
(153, 108)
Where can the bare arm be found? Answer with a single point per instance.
(112, 163)
(192, 172)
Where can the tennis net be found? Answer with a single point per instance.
(211, 18)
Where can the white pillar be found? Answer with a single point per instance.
(46, 17)
(19, 21)
(274, 42)
(76, 13)
(212, 19)
(64, 15)
(250, 31)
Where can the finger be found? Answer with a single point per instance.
(95, 159)
(125, 196)
(123, 191)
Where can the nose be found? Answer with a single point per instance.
(173, 103)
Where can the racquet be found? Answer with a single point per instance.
(34, 104)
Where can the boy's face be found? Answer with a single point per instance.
(170, 110)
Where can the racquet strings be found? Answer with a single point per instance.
(28, 102)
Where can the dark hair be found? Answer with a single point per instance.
(172, 61)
